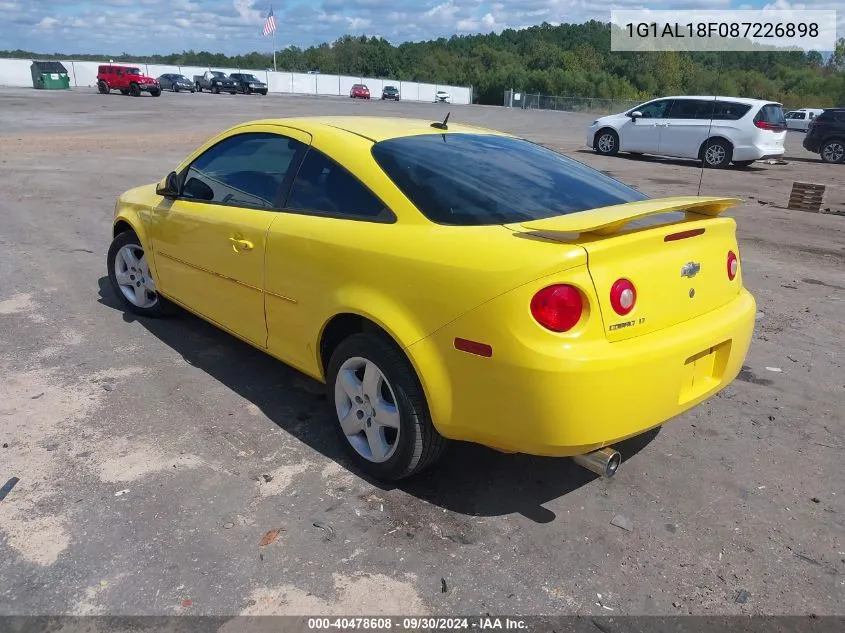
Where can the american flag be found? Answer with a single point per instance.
(270, 23)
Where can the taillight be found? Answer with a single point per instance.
(733, 265)
(558, 308)
(765, 125)
(623, 296)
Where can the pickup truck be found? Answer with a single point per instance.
(215, 81)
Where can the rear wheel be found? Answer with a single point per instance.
(134, 90)
(607, 142)
(103, 87)
(833, 151)
(382, 415)
(716, 154)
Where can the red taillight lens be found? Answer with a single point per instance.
(623, 296)
(558, 308)
(733, 265)
(765, 125)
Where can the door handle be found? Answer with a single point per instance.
(239, 245)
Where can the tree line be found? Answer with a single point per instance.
(563, 60)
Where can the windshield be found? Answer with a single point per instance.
(481, 179)
(217, 73)
(133, 71)
(249, 78)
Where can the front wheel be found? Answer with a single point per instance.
(716, 154)
(382, 414)
(833, 151)
(215, 90)
(607, 143)
(175, 87)
(130, 277)
(155, 93)
(135, 90)
(103, 87)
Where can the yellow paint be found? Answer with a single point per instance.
(608, 378)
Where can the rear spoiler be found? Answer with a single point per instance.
(607, 220)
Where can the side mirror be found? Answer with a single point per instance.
(169, 187)
(636, 114)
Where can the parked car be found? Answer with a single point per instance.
(215, 81)
(441, 96)
(248, 83)
(390, 92)
(801, 119)
(175, 82)
(127, 79)
(714, 130)
(826, 135)
(359, 91)
(392, 280)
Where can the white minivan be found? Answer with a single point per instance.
(715, 130)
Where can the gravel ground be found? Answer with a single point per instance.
(154, 456)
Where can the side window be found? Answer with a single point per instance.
(730, 110)
(656, 109)
(801, 115)
(248, 170)
(323, 186)
(691, 109)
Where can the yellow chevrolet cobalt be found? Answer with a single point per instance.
(445, 282)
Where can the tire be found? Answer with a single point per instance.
(606, 142)
(134, 90)
(193, 90)
(118, 265)
(416, 444)
(716, 154)
(103, 87)
(231, 92)
(176, 88)
(743, 163)
(833, 151)
(215, 90)
(155, 93)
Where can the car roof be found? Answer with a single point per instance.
(374, 128)
(721, 98)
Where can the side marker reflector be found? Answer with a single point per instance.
(473, 347)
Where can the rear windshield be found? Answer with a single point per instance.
(771, 113)
(481, 179)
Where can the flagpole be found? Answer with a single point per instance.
(274, 40)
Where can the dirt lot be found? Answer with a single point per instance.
(154, 456)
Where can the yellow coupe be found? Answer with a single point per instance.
(445, 282)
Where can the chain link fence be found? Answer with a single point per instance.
(529, 101)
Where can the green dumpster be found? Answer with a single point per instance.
(49, 75)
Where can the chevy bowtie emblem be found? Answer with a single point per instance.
(690, 269)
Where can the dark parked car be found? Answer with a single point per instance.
(249, 83)
(390, 92)
(175, 82)
(826, 135)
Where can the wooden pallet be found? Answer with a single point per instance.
(806, 196)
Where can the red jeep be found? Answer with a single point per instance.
(127, 79)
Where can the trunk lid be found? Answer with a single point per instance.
(673, 250)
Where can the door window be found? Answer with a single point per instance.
(691, 109)
(324, 187)
(247, 170)
(655, 109)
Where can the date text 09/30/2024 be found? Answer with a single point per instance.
(765, 30)
(488, 623)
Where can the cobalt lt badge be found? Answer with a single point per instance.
(690, 269)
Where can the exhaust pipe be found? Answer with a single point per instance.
(604, 462)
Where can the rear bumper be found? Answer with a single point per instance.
(758, 152)
(570, 398)
(812, 144)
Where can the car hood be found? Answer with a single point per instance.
(611, 118)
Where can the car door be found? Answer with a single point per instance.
(311, 251)
(643, 133)
(209, 242)
(686, 127)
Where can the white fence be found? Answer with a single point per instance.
(15, 72)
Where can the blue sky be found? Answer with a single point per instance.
(234, 26)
